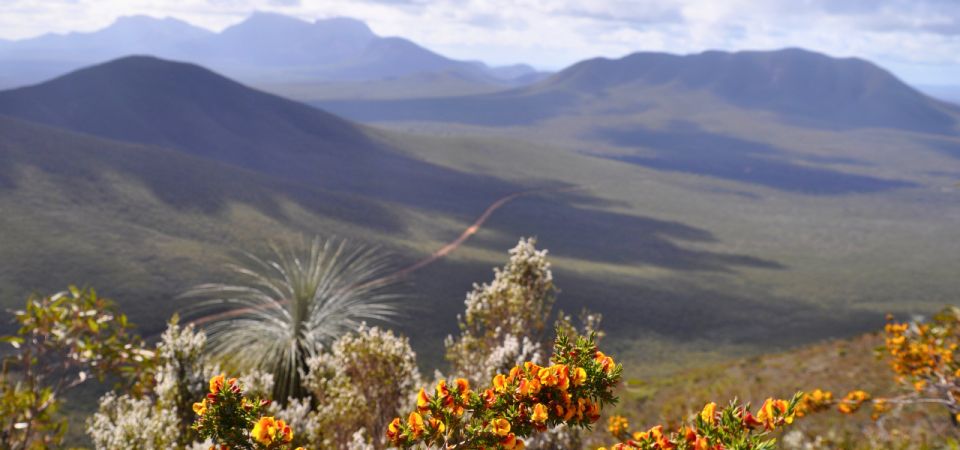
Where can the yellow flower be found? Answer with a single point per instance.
(509, 441)
(463, 386)
(200, 407)
(216, 383)
(606, 363)
(539, 413)
(284, 432)
(579, 376)
(617, 425)
(852, 401)
(264, 430)
(709, 413)
(437, 426)
(423, 400)
(443, 392)
(500, 426)
(528, 387)
(393, 430)
(415, 421)
(500, 383)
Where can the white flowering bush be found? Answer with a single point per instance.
(505, 320)
(159, 414)
(124, 422)
(361, 383)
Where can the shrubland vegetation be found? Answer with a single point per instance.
(308, 372)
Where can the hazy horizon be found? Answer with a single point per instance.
(917, 41)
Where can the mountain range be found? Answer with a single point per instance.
(264, 48)
(794, 84)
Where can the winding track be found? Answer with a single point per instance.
(430, 259)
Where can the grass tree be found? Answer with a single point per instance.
(286, 307)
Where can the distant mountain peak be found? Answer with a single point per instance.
(344, 24)
(266, 22)
(144, 24)
(794, 82)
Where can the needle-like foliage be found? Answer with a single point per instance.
(289, 305)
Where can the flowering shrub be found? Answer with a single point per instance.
(527, 400)
(231, 420)
(360, 384)
(168, 384)
(505, 320)
(63, 340)
(733, 427)
(923, 357)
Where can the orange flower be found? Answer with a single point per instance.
(509, 441)
(617, 425)
(284, 432)
(489, 398)
(852, 401)
(701, 444)
(500, 426)
(443, 392)
(528, 387)
(540, 414)
(606, 363)
(514, 373)
(463, 387)
(593, 411)
(578, 376)
(216, 383)
(264, 430)
(500, 383)
(393, 430)
(423, 400)
(773, 411)
(437, 426)
(415, 422)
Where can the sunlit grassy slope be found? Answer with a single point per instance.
(837, 365)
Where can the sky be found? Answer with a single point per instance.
(919, 40)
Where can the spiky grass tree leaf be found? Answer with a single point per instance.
(288, 306)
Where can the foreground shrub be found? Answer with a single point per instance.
(529, 399)
(63, 341)
(505, 321)
(733, 427)
(231, 420)
(924, 361)
(158, 413)
(359, 385)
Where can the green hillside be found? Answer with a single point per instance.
(692, 258)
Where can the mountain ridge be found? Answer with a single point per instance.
(797, 84)
(265, 46)
(152, 101)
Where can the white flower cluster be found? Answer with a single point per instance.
(124, 422)
(361, 383)
(506, 318)
(511, 352)
(159, 420)
(359, 441)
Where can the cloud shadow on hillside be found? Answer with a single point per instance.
(586, 233)
(688, 149)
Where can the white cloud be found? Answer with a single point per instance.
(917, 38)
